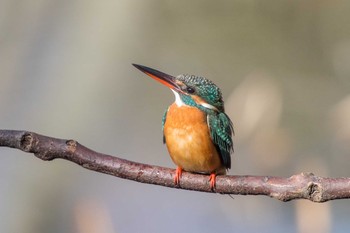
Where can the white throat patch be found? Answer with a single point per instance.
(178, 99)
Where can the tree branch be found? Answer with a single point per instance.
(301, 186)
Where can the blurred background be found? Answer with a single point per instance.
(65, 71)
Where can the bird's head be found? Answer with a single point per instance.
(189, 89)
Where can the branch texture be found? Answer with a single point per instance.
(300, 186)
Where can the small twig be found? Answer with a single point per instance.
(300, 186)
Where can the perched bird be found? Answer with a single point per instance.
(196, 129)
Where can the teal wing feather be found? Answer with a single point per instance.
(163, 123)
(221, 130)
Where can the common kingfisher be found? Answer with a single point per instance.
(196, 129)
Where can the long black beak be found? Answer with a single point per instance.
(165, 79)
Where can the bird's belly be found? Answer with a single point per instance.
(188, 140)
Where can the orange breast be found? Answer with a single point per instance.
(188, 140)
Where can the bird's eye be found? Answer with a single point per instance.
(190, 90)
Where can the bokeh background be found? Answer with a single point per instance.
(65, 71)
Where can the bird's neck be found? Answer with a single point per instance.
(187, 100)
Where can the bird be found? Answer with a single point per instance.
(196, 130)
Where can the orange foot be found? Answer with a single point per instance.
(212, 179)
(177, 176)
